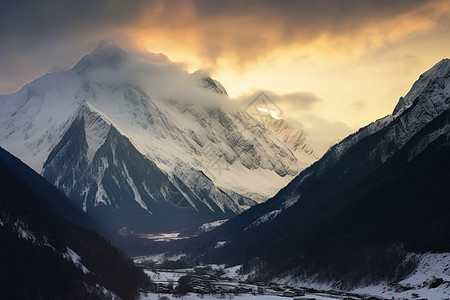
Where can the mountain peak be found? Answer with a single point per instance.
(213, 85)
(209, 83)
(441, 69)
(105, 55)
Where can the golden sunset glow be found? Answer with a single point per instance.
(355, 57)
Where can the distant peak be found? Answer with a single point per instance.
(445, 61)
(439, 70)
(209, 83)
(104, 47)
(214, 86)
(105, 55)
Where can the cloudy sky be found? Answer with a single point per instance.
(332, 65)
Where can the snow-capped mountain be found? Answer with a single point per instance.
(439, 70)
(293, 137)
(141, 144)
(355, 217)
(211, 84)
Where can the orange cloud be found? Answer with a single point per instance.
(211, 34)
(242, 33)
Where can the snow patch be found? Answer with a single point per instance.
(85, 193)
(75, 258)
(137, 195)
(220, 244)
(210, 226)
(23, 231)
(264, 218)
(96, 129)
(158, 258)
(290, 201)
(101, 196)
(107, 294)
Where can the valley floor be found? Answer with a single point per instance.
(430, 280)
(229, 284)
(236, 297)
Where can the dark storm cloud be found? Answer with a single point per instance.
(51, 17)
(260, 25)
(39, 36)
(309, 18)
(52, 34)
(306, 11)
(34, 19)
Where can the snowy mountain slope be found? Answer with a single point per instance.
(439, 70)
(118, 185)
(225, 146)
(400, 127)
(429, 280)
(213, 85)
(294, 138)
(355, 215)
(208, 158)
(34, 119)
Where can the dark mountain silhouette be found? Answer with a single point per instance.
(43, 255)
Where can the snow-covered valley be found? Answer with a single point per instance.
(430, 280)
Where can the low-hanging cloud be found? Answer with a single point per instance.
(323, 133)
(297, 108)
(298, 100)
(280, 104)
(155, 74)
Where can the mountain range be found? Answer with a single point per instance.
(133, 144)
(144, 147)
